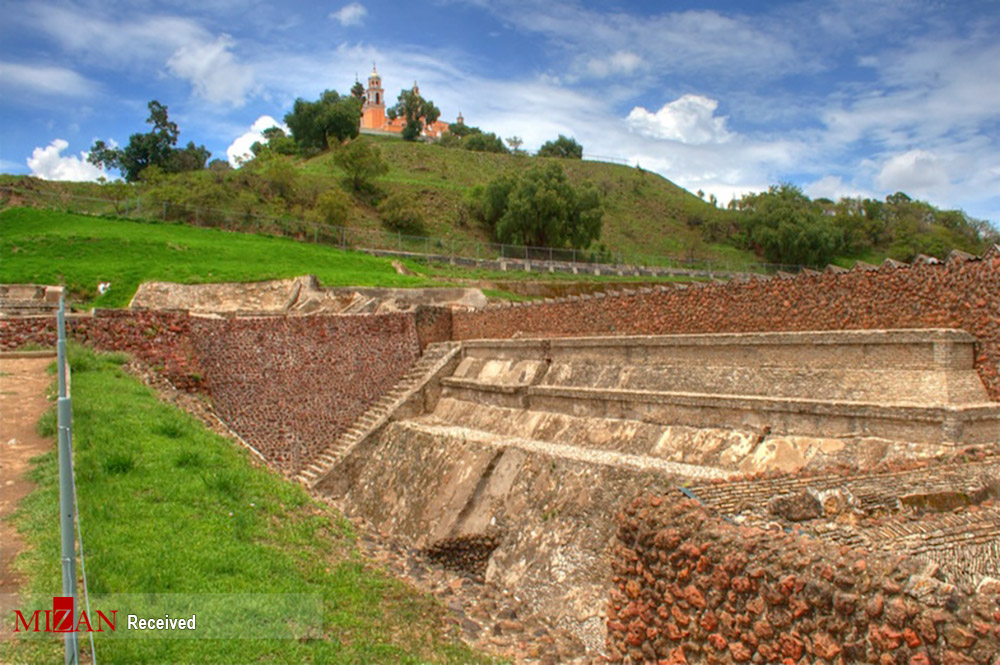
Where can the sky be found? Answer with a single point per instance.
(840, 97)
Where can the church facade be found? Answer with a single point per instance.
(375, 121)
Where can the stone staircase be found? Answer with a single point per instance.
(434, 358)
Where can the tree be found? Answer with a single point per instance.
(314, 124)
(276, 141)
(155, 148)
(362, 161)
(416, 111)
(543, 209)
(358, 91)
(480, 142)
(562, 147)
(786, 227)
(515, 143)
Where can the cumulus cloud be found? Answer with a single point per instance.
(834, 188)
(239, 152)
(45, 80)
(352, 14)
(49, 164)
(213, 71)
(915, 171)
(689, 119)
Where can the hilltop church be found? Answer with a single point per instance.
(375, 121)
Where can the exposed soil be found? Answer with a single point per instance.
(23, 382)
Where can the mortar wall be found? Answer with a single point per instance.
(688, 587)
(959, 294)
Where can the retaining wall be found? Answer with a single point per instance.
(688, 587)
(288, 385)
(291, 385)
(961, 293)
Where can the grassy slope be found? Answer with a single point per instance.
(645, 214)
(169, 507)
(49, 247)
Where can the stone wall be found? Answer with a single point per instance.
(161, 339)
(288, 385)
(291, 385)
(689, 587)
(961, 293)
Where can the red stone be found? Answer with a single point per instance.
(740, 652)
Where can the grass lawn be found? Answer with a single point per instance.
(169, 507)
(49, 247)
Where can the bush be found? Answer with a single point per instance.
(398, 213)
(332, 207)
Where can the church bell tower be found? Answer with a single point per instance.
(373, 110)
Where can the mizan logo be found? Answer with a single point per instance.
(60, 619)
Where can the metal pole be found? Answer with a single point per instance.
(66, 509)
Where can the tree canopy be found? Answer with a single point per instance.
(416, 111)
(564, 147)
(331, 117)
(154, 148)
(541, 208)
(362, 162)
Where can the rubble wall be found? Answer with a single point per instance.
(958, 294)
(690, 587)
(161, 340)
(291, 385)
(287, 385)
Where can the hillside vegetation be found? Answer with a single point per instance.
(431, 190)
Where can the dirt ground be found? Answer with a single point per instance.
(23, 382)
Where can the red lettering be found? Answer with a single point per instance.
(84, 619)
(34, 617)
(111, 623)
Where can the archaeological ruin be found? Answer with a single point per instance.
(795, 469)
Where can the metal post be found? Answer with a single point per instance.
(66, 509)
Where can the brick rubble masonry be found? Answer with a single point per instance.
(291, 385)
(288, 385)
(691, 588)
(958, 294)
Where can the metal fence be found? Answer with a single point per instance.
(380, 240)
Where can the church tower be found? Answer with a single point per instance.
(373, 109)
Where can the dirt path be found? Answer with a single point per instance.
(22, 401)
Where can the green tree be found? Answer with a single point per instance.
(331, 118)
(562, 147)
(480, 142)
(784, 226)
(362, 162)
(154, 148)
(543, 209)
(416, 111)
(358, 91)
(276, 141)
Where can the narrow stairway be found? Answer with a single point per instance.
(377, 414)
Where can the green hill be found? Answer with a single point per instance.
(646, 216)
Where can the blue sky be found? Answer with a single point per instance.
(841, 97)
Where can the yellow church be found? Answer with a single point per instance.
(375, 121)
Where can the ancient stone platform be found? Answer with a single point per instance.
(917, 386)
(511, 460)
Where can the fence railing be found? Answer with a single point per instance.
(374, 239)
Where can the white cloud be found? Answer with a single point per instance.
(834, 188)
(45, 80)
(47, 163)
(915, 171)
(352, 14)
(689, 119)
(239, 150)
(619, 62)
(213, 71)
